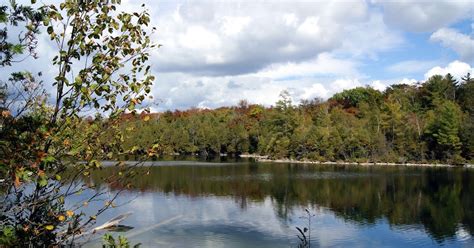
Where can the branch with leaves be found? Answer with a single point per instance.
(102, 66)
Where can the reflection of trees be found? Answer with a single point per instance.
(440, 199)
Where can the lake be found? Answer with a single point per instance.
(248, 204)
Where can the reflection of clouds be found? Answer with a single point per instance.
(462, 234)
(215, 210)
(150, 208)
(203, 218)
(144, 208)
(221, 222)
(216, 221)
(329, 230)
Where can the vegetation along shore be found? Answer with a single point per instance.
(431, 122)
(260, 158)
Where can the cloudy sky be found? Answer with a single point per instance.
(216, 53)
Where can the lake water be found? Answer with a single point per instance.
(248, 204)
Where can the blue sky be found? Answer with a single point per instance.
(417, 47)
(216, 53)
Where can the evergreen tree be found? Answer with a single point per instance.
(443, 131)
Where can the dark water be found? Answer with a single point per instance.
(245, 204)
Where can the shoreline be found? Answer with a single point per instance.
(266, 159)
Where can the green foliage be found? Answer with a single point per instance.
(464, 94)
(438, 88)
(41, 143)
(8, 236)
(354, 97)
(18, 15)
(122, 242)
(357, 125)
(443, 131)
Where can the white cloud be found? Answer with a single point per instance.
(290, 19)
(408, 81)
(240, 37)
(324, 64)
(234, 25)
(382, 85)
(412, 66)
(198, 37)
(369, 37)
(425, 16)
(457, 68)
(216, 53)
(310, 27)
(320, 77)
(342, 84)
(378, 85)
(326, 89)
(315, 91)
(182, 91)
(178, 90)
(461, 43)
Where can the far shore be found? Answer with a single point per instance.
(261, 158)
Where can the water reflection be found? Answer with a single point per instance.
(250, 204)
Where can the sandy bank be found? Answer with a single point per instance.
(264, 159)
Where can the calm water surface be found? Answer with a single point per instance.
(248, 204)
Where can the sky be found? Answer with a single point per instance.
(216, 53)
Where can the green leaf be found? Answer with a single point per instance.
(3, 17)
(46, 20)
(49, 159)
(17, 49)
(96, 163)
(43, 181)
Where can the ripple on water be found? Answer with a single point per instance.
(261, 176)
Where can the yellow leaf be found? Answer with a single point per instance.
(17, 181)
(61, 218)
(5, 113)
(69, 213)
(49, 227)
(146, 118)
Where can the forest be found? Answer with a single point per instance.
(432, 121)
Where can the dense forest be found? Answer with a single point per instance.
(427, 122)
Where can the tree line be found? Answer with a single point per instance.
(431, 121)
